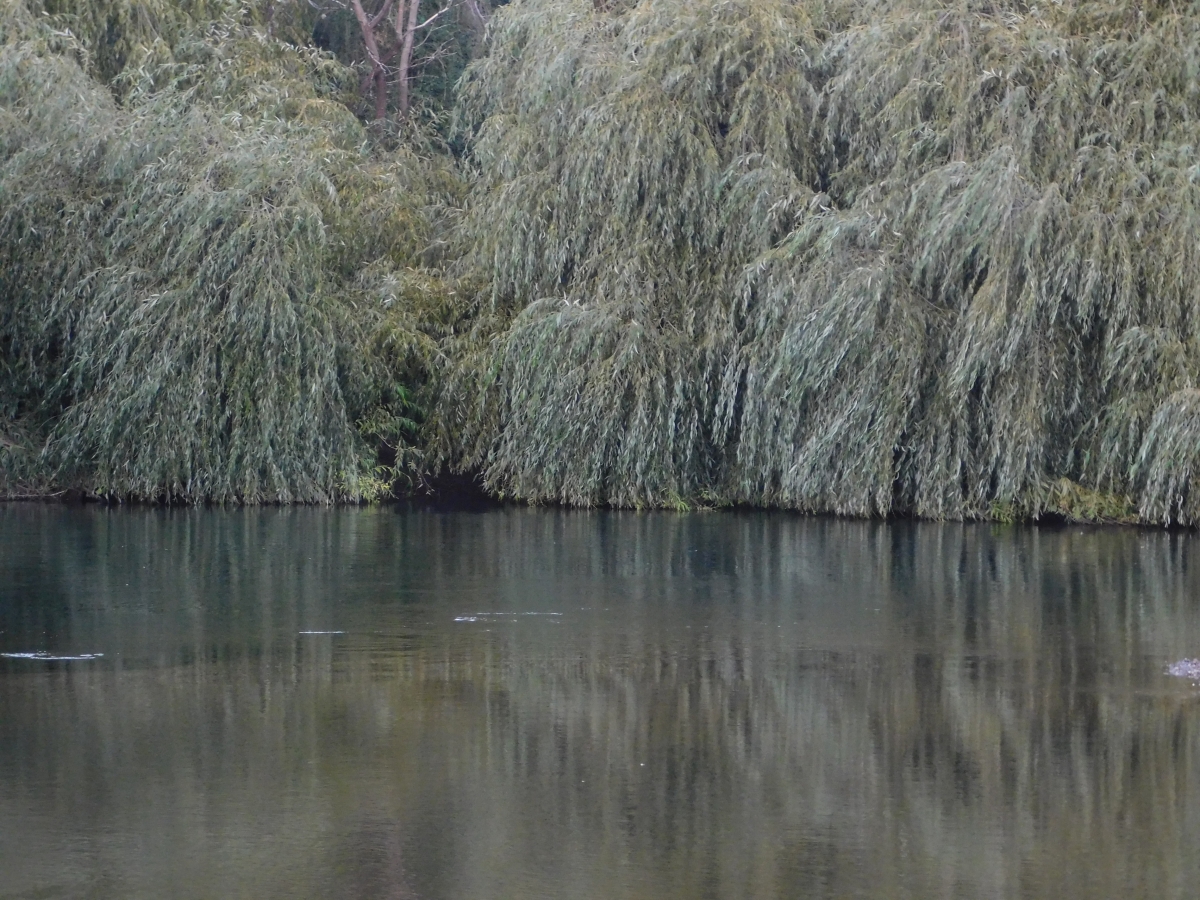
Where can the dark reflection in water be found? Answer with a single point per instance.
(526, 703)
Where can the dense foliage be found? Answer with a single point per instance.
(895, 257)
(198, 280)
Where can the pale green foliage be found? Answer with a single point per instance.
(196, 278)
(629, 163)
(116, 35)
(903, 256)
(894, 257)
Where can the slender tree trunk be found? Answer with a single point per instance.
(399, 27)
(406, 35)
(380, 93)
(380, 75)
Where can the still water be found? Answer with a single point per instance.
(376, 703)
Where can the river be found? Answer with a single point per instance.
(537, 703)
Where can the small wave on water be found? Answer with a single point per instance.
(322, 632)
(43, 655)
(1185, 668)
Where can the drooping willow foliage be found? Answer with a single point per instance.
(630, 163)
(930, 257)
(939, 258)
(199, 284)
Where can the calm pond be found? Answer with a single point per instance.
(514, 703)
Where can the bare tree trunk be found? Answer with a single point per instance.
(367, 24)
(409, 32)
(399, 26)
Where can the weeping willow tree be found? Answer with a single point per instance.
(934, 258)
(630, 160)
(896, 257)
(1012, 227)
(207, 288)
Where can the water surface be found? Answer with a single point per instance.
(367, 703)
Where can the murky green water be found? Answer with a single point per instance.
(532, 703)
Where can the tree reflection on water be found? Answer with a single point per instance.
(728, 705)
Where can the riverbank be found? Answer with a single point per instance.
(1070, 504)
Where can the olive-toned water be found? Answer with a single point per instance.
(536, 703)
